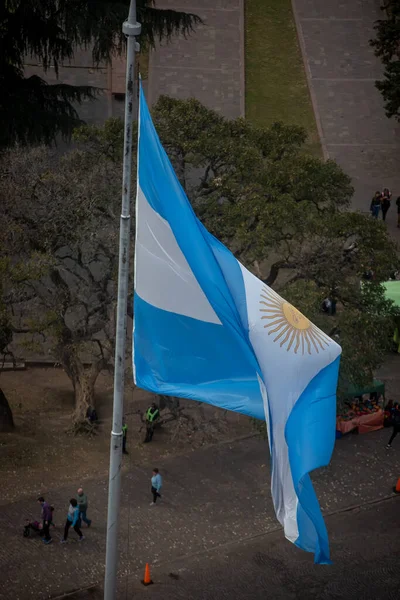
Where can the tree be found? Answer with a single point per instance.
(6, 417)
(12, 276)
(284, 214)
(286, 217)
(387, 47)
(66, 210)
(34, 111)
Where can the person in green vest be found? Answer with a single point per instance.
(124, 434)
(83, 506)
(152, 416)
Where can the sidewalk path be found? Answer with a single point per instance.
(343, 69)
(211, 497)
(364, 545)
(209, 64)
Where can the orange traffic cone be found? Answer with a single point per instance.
(397, 488)
(147, 579)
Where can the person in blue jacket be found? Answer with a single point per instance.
(156, 484)
(73, 519)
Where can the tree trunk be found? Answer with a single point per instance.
(84, 395)
(6, 418)
(83, 380)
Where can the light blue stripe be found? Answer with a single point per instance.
(233, 277)
(164, 193)
(179, 356)
(310, 436)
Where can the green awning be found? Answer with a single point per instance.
(393, 291)
(377, 386)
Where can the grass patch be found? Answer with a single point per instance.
(276, 84)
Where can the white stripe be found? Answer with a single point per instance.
(289, 353)
(282, 489)
(264, 395)
(163, 277)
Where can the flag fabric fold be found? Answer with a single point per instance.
(206, 329)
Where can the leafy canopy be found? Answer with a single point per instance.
(284, 214)
(63, 210)
(287, 217)
(51, 31)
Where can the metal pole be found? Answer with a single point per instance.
(131, 29)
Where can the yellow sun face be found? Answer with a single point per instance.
(294, 316)
(292, 328)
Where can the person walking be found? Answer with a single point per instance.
(47, 517)
(72, 520)
(152, 416)
(386, 192)
(156, 485)
(83, 506)
(395, 420)
(398, 211)
(124, 434)
(385, 202)
(376, 205)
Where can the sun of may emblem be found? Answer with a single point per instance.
(292, 328)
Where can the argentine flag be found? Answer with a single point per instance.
(205, 328)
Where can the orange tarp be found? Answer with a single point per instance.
(365, 423)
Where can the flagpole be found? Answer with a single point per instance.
(131, 29)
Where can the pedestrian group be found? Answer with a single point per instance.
(381, 202)
(77, 512)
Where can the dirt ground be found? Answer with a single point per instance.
(41, 454)
(214, 494)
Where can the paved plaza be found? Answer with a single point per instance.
(212, 498)
(342, 70)
(209, 64)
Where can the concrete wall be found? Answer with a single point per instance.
(109, 78)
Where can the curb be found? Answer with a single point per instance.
(94, 586)
(242, 67)
(313, 97)
(273, 530)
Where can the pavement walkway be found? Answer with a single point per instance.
(364, 545)
(209, 64)
(342, 71)
(212, 497)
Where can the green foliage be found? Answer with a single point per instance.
(285, 215)
(386, 45)
(13, 277)
(34, 111)
(363, 325)
(62, 213)
(106, 141)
